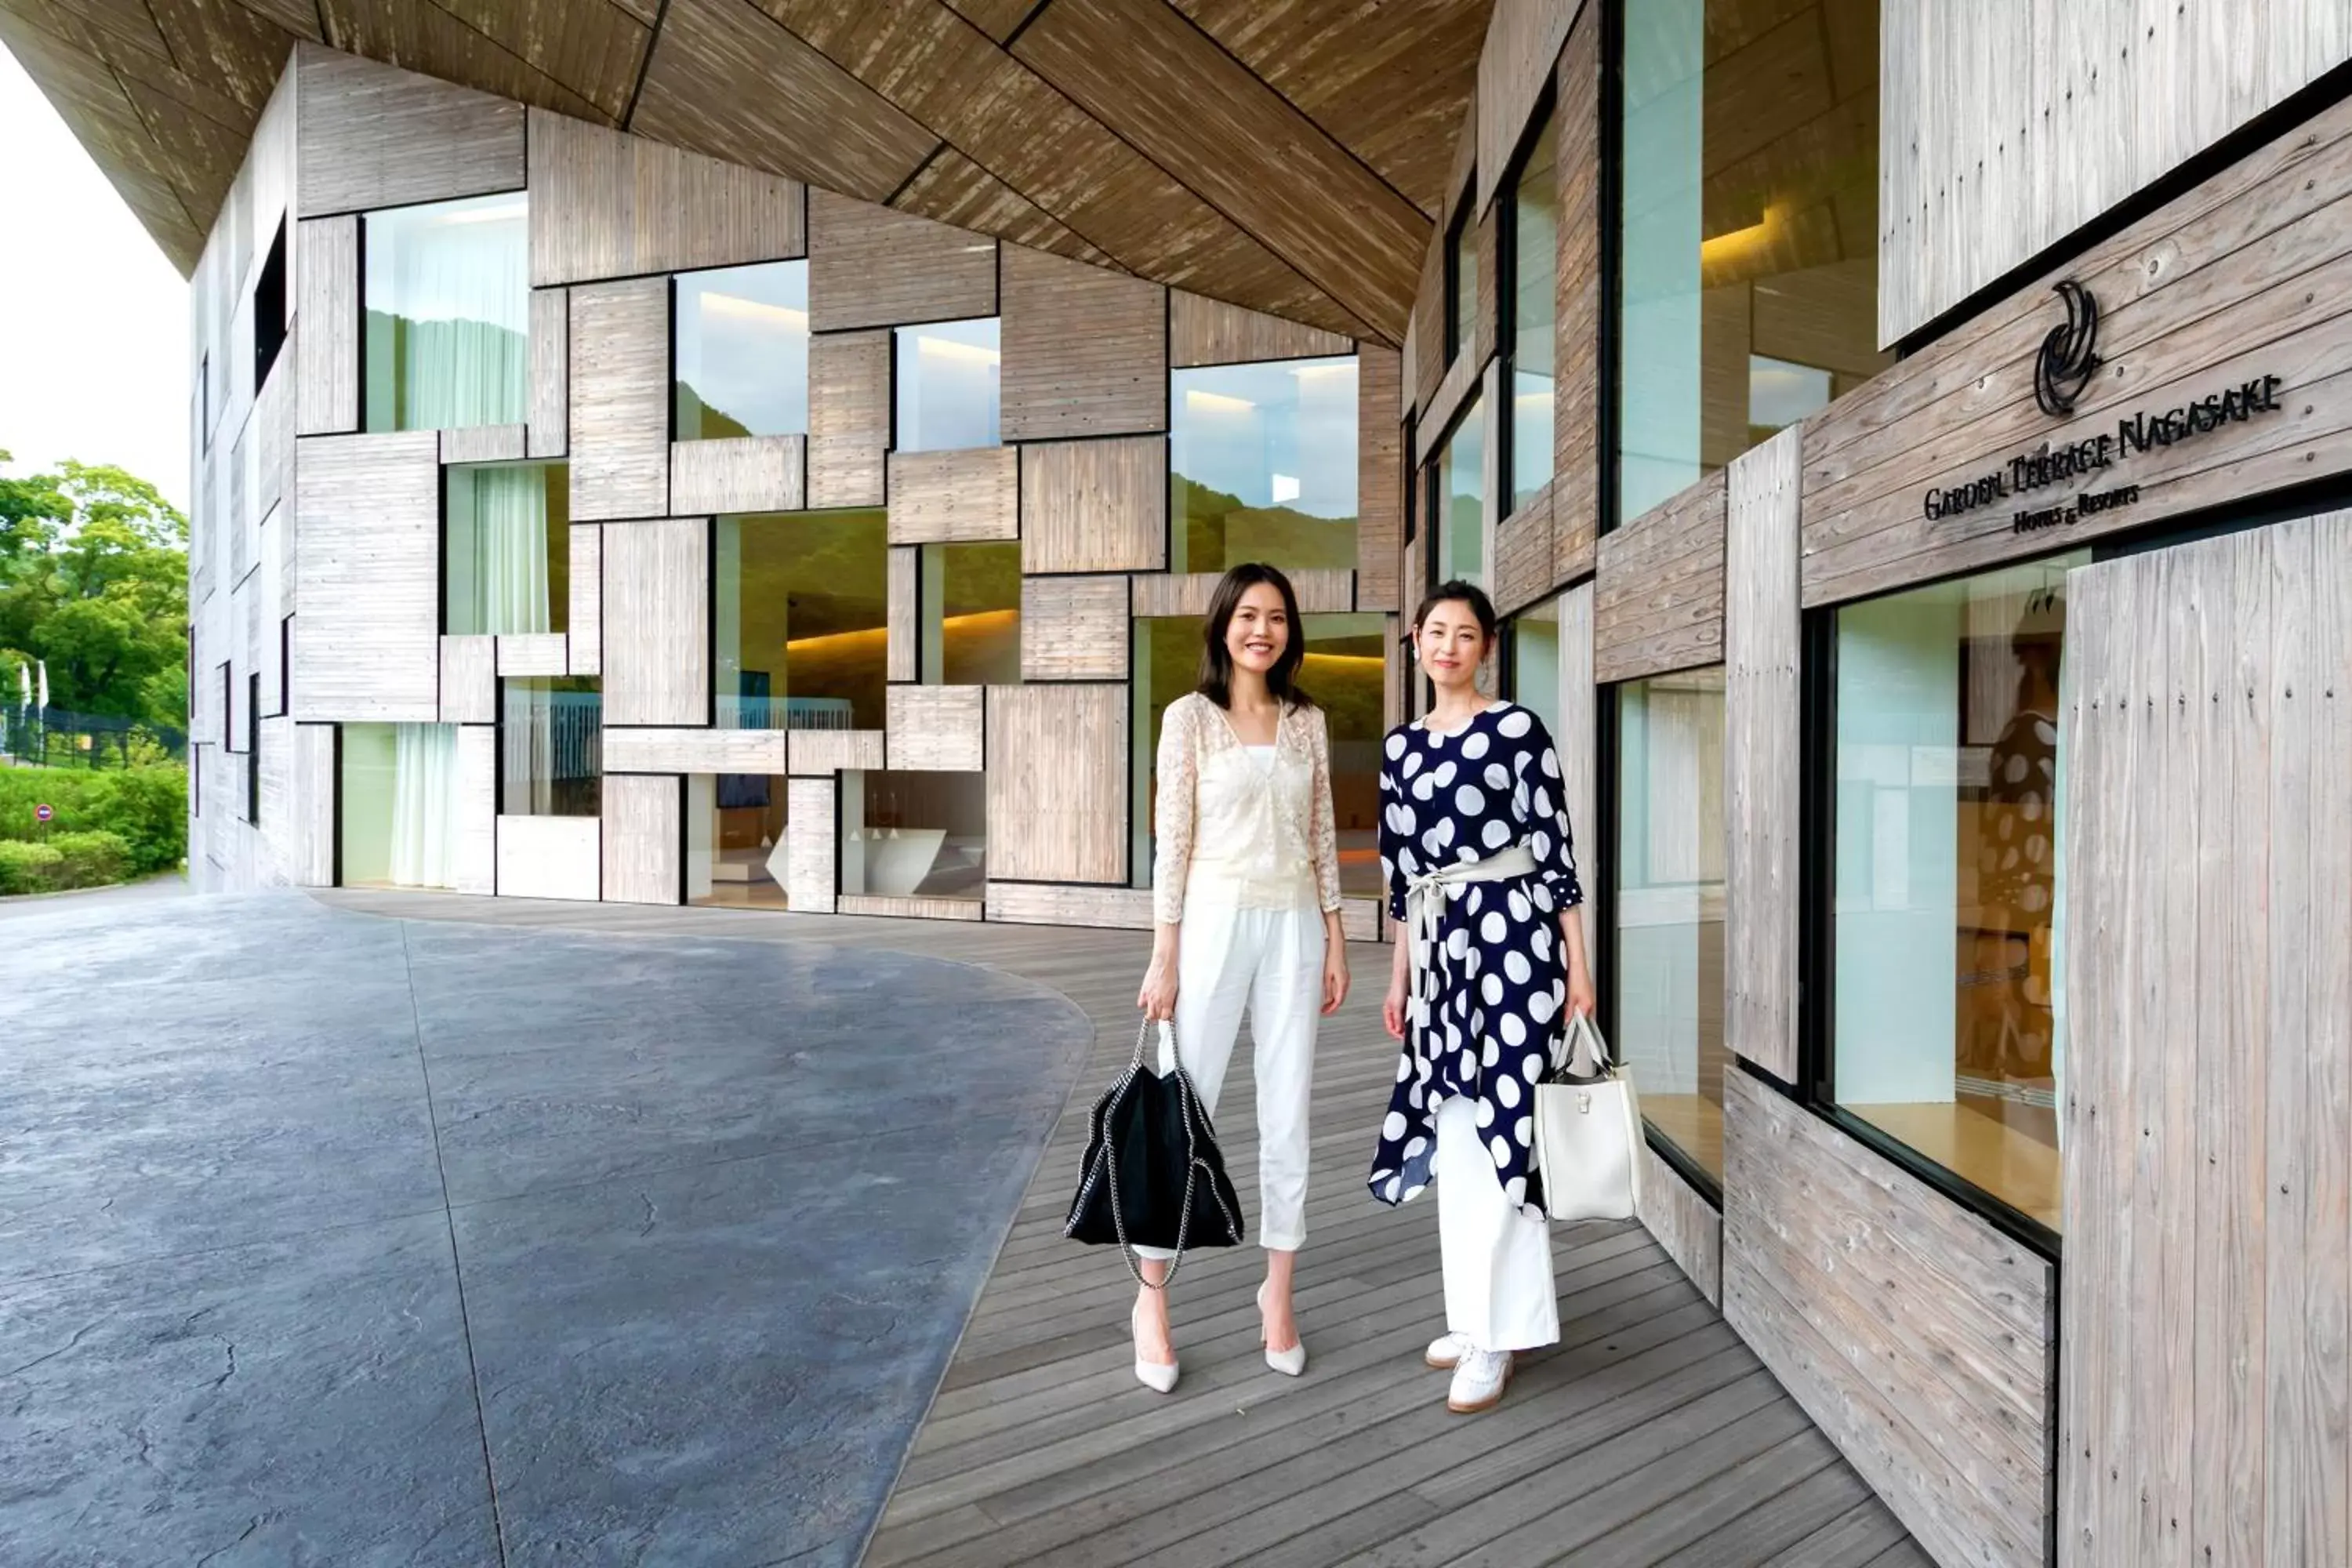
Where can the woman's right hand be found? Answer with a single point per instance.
(1392, 1008)
(1158, 997)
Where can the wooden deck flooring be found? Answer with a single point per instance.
(1650, 1434)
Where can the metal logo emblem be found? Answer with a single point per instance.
(1584, 1104)
(2067, 361)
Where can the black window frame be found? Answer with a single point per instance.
(1506, 286)
(1610, 198)
(1456, 229)
(269, 309)
(253, 748)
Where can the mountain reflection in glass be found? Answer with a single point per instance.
(742, 365)
(1262, 465)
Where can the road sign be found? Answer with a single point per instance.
(42, 813)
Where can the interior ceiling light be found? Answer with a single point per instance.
(506, 212)
(1317, 372)
(950, 348)
(1216, 402)
(736, 305)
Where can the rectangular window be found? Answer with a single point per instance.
(971, 614)
(1746, 262)
(1461, 280)
(1534, 218)
(1948, 898)
(799, 617)
(448, 294)
(551, 746)
(401, 801)
(735, 840)
(286, 665)
(946, 391)
(914, 835)
(1460, 502)
(507, 549)
(253, 750)
(1262, 465)
(741, 354)
(269, 308)
(1531, 647)
(1668, 985)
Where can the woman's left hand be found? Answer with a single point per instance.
(1335, 976)
(1582, 997)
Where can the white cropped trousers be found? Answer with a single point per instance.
(1270, 964)
(1499, 1292)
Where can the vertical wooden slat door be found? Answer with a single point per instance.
(2205, 1416)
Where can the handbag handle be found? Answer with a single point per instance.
(1584, 1037)
(1191, 1160)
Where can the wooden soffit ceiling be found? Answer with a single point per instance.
(1286, 154)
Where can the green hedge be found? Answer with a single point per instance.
(146, 809)
(66, 860)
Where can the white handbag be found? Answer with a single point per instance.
(1588, 1141)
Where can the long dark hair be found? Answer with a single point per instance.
(1216, 682)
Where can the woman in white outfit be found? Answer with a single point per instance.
(1474, 842)
(1246, 906)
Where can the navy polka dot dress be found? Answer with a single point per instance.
(1491, 1019)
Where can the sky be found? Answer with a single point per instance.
(93, 319)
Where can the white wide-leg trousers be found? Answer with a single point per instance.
(1270, 963)
(1499, 1293)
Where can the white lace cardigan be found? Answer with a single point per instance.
(1232, 835)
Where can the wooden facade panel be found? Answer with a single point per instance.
(1086, 350)
(373, 136)
(1579, 743)
(871, 266)
(745, 473)
(550, 858)
(1658, 594)
(1576, 424)
(656, 622)
(1057, 783)
(1073, 629)
(1920, 1339)
(1447, 400)
(1320, 590)
(367, 645)
(1516, 66)
(477, 859)
(311, 840)
(940, 728)
(607, 204)
(549, 429)
(1524, 555)
(533, 653)
(695, 751)
(904, 610)
(327, 326)
(1043, 903)
(849, 417)
(941, 498)
(469, 680)
(1201, 331)
(811, 844)
(1688, 1226)
(620, 400)
(1094, 506)
(1762, 643)
(584, 643)
(1381, 478)
(821, 753)
(482, 444)
(643, 838)
(896, 907)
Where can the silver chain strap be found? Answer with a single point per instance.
(1097, 1131)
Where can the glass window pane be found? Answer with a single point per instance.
(507, 549)
(551, 746)
(735, 840)
(400, 806)
(971, 614)
(742, 365)
(1948, 887)
(1535, 268)
(448, 314)
(1462, 284)
(1533, 639)
(1262, 465)
(914, 835)
(948, 374)
(1747, 260)
(1669, 948)
(1462, 501)
(799, 620)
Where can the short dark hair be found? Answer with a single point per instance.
(1459, 591)
(1216, 682)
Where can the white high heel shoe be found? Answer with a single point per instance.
(1290, 1362)
(1158, 1376)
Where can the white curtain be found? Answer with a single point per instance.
(529, 736)
(423, 806)
(458, 276)
(509, 551)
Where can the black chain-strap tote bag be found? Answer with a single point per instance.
(1152, 1175)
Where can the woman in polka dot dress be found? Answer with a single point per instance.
(1474, 843)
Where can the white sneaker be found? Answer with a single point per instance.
(1479, 1381)
(1445, 1352)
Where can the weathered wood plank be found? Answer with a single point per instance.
(937, 728)
(1086, 350)
(656, 622)
(1057, 783)
(1658, 594)
(1201, 331)
(643, 838)
(1094, 506)
(1073, 629)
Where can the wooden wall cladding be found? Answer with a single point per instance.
(1094, 506)
(476, 869)
(1762, 644)
(690, 751)
(469, 680)
(327, 325)
(1524, 554)
(1684, 1224)
(533, 653)
(1057, 783)
(1917, 1337)
(550, 858)
(745, 473)
(939, 498)
(367, 516)
(584, 644)
(1086, 350)
(1073, 629)
(1320, 590)
(1381, 477)
(2208, 1148)
(643, 838)
(1658, 597)
(607, 204)
(823, 752)
(549, 432)
(904, 614)
(1201, 331)
(1044, 904)
(372, 136)
(811, 844)
(849, 417)
(1579, 744)
(620, 400)
(901, 907)
(2241, 277)
(1522, 43)
(1576, 302)
(483, 443)
(1486, 307)
(1461, 382)
(311, 842)
(940, 728)
(870, 266)
(656, 622)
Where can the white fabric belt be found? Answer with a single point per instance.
(1425, 898)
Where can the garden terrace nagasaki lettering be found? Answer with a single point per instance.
(2031, 472)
